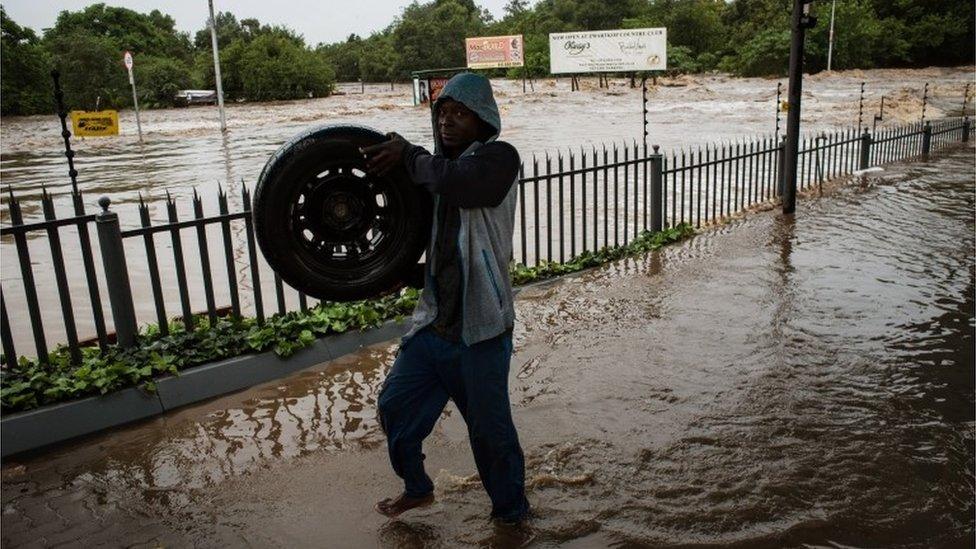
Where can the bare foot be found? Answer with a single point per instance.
(392, 507)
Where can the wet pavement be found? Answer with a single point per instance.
(778, 381)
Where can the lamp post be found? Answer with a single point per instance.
(801, 21)
(830, 39)
(216, 56)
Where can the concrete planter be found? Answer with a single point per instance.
(37, 428)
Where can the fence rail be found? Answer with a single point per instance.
(567, 204)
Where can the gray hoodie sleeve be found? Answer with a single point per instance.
(478, 180)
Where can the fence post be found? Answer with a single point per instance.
(780, 166)
(865, 149)
(116, 274)
(927, 138)
(965, 130)
(657, 198)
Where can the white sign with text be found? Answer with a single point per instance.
(608, 51)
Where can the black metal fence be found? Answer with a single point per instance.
(567, 204)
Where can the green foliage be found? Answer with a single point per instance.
(378, 59)
(25, 65)
(158, 79)
(431, 35)
(344, 57)
(91, 68)
(32, 384)
(144, 34)
(274, 66)
(645, 242)
(767, 53)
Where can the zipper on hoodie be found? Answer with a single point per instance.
(491, 275)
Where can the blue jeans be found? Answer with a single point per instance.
(428, 370)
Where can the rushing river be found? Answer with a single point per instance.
(778, 381)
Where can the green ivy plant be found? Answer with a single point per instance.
(33, 383)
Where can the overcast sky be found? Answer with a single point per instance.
(318, 21)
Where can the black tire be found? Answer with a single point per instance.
(329, 229)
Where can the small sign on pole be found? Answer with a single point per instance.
(127, 59)
(95, 123)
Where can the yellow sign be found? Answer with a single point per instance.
(95, 123)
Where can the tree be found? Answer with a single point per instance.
(26, 87)
(159, 79)
(91, 68)
(272, 66)
(228, 30)
(430, 36)
(378, 58)
(152, 34)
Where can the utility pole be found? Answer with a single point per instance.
(801, 21)
(216, 54)
(830, 40)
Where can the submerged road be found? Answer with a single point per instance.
(773, 382)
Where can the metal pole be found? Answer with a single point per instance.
(657, 189)
(830, 41)
(927, 139)
(802, 20)
(135, 102)
(116, 274)
(865, 159)
(216, 56)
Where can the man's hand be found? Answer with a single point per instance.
(383, 158)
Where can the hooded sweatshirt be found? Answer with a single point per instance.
(467, 292)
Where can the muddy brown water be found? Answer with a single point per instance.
(184, 153)
(778, 381)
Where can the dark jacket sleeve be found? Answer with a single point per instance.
(478, 180)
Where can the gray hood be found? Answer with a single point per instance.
(474, 91)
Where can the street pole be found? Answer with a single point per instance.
(216, 56)
(127, 58)
(830, 40)
(801, 21)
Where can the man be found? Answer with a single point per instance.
(460, 342)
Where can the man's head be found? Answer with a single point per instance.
(460, 126)
(465, 112)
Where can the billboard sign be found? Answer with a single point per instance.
(608, 51)
(492, 52)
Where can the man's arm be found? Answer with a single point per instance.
(478, 180)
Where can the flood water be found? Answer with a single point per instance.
(184, 153)
(779, 381)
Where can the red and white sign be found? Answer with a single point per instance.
(127, 59)
(490, 52)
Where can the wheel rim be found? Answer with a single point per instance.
(345, 221)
